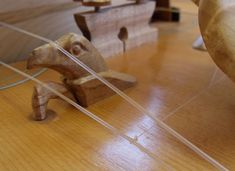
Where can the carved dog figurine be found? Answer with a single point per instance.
(78, 84)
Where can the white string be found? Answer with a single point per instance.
(195, 96)
(213, 76)
(125, 97)
(21, 81)
(114, 130)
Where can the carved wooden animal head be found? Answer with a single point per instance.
(49, 56)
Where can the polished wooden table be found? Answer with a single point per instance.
(182, 86)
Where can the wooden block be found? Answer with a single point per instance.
(89, 90)
(117, 29)
(96, 3)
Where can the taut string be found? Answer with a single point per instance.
(114, 130)
(125, 97)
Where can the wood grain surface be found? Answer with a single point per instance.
(182, 86)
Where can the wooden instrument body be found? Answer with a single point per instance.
(217, 24)
(72, 141)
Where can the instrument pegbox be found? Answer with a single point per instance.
(77, 83)
(114, 29)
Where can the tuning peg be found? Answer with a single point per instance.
(96, 3)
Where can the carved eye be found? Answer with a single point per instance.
(76, 50)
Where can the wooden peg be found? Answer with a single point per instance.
(97, 4)
(165, 12)
(103, 29)
(42, 95)
(77, 82)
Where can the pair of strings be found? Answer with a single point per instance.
(210, 84)
(114, 130)
(21, 81)
(125, 97)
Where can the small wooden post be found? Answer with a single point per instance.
(164, 12)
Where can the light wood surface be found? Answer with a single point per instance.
(173, 83)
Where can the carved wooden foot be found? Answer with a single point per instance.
(42, 95)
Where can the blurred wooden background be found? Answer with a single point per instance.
(50, 19)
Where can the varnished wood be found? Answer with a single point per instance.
(218, 29)
(96, 3)
(169, 75)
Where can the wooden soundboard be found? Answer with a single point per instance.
(172, 85)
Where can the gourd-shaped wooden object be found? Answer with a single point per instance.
(217, 25)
